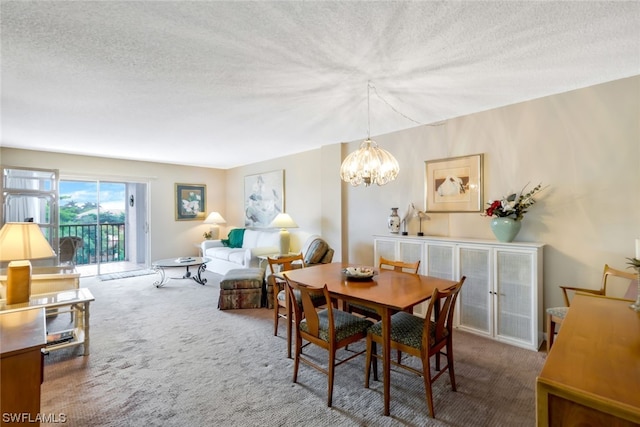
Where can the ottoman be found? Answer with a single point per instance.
(241, 288)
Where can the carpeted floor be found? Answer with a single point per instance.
(167, 357)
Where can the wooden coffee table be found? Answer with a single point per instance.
(196, 261)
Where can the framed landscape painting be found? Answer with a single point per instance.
(263, 198)
(190, 202)
(454, 184)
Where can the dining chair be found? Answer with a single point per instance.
(280, 300)
(555, 315)
(330, 329)
(421, 338)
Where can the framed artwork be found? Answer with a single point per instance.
(454, 184)
(263, 198)
(191, 202)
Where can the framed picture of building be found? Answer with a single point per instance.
(190, 202)
(454, 184)
(263, 198)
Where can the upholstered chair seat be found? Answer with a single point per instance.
(345, 324)
(407, 329)
(560, 312)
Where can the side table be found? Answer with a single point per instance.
(74, 301)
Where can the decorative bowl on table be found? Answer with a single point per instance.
(359, 273)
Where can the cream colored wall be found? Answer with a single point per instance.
(584, 145)
(169, 238)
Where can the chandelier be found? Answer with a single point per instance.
(369, 164)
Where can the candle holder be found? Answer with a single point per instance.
(635, 263)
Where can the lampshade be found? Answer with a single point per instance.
(283, 220)
(23, 241)
(19, 243)
(370, 164)
(214, 218)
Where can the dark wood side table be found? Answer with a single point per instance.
(22, 338)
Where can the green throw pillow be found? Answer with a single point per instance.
(235, 238)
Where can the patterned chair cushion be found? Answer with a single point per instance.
(346, 324)
(560, 312)
(406, 329)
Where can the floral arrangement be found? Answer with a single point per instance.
(513, 206)
(207, 235)
(634, 263)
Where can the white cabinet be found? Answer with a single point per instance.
(502, 294)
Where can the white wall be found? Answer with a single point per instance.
(584, 145)
(168, 238)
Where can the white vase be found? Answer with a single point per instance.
(394, 221)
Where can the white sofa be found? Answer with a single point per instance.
(255, 242)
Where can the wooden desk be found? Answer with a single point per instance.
(388, 291)
(22, 337)
(592, 373)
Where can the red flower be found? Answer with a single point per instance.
(495, 205)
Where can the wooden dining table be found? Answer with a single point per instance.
(386, 292)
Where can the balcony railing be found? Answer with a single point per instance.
(112, 242)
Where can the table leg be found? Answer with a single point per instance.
(86, 328)
(163, 278)
(198, 277)
(386, 357)
(187, 275)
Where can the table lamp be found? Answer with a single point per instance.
(214, 218)
(19, 243)
(283, 221)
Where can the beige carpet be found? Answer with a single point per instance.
(168, 357)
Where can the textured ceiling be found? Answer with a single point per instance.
(222, 84)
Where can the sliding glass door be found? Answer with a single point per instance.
(110, 219)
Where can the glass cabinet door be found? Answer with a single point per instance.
(475, 296)
(514, 286)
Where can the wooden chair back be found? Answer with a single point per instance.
(440, 313)
(285, 263)
(610, 276)
(407, 267)
(621, 279)
(307, 309)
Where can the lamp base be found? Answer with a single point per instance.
(18, 282)
(285, 239)
(215, 232)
